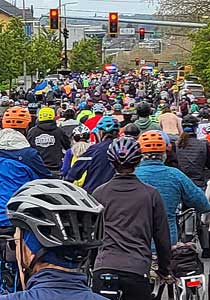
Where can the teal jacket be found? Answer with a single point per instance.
(174, 187)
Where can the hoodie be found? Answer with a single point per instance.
(15, 172)
(145, 124)
(14, 145)
(52, 284)
(49, 140)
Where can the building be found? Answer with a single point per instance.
(7, 11)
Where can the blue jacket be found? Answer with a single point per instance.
(51, 284)
(96, 163)
(174, 187)
(12, 176)
(30, 157)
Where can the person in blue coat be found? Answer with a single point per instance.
(19, 163)
(95, 160)
(53, 239)
(173, 185)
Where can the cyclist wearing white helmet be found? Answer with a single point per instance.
(53, 239)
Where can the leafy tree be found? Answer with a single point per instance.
(44, 52)
(191, 9)
(85, 55)
(12, 50)
(200, 58)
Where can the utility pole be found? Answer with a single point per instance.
(24, 63)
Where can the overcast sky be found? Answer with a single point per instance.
(90, 6)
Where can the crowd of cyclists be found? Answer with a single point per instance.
(92, 175)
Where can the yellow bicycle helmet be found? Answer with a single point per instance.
(46, 114)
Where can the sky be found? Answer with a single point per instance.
(89, 7)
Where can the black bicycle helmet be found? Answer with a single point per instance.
(190, 121)
(125, 152)
(143, 109)
(58, 213)
(131, 130)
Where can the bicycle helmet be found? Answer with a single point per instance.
(82, 106)
(143, 109)
(190, 121)
(131, 130)
(16, 117)
(117, 107)
(81, 132)
(58, 213)
(152, 142)
(46, 114)
(98, 108)
(108, 124)
(124, 151)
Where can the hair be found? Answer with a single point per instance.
(166, 110)
(128, 168)
(154, 156)
(69, 114)
(183, 140)
(80, 147)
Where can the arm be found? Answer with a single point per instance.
(66, 162)
(161, 235)
(38, 166)
(64, 140)
(192, 196)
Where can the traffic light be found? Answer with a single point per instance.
(54, 19)
(137, 61)
(113, 24)
(141, 34)
(66, 33)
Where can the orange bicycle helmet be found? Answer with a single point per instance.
(152, 142)
(16, 117)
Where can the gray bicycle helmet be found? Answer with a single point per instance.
(58, 213)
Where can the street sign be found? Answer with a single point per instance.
(173, 63)
(142, 62)
(127, 31)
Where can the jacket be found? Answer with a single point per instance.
(134, 214)
(174, 187)
(13, 145)
(193, 159)
(68, 126)
(145, 124)
(49, 140)
(51, 284)
(96, 163)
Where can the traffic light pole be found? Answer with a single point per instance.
(65, 47)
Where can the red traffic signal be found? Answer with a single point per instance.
(113, 24)
(142, 33)
(54, 19)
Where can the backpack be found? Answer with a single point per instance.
(185, 260)
(183, 107)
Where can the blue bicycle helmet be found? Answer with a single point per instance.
(108, 124)
(124, 151)
(117, 107)
(82, 105)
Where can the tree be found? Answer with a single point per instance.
(85, 55)
(191, 9)
(200, 58)
(13, 42)
(44, 52)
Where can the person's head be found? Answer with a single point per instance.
(98, 109)
(82, 106)
(131, 130)
(189, 125)
(17, 118)
(69, 114)
(124, 154)
(51, 218)
(81, 133)
(143, 109)
(117, 108)
(46, 114)
(152, 145)
(107, 127)
(128, 113)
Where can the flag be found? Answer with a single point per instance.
(42, 88)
